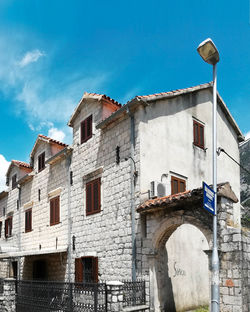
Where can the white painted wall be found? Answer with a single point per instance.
(166, 144)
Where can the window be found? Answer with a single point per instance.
(1, 225)
(86, 270)
(14, 181)
(93, 196)
(41, 161)
(177, 185)
(28, 220)
(55, 210)
(86, 129)
(198, 129)
(8, 227)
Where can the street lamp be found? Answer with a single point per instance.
(210, 54)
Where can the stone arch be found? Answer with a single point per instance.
(161, 276)
(171, 222)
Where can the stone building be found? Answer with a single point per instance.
(106, 207)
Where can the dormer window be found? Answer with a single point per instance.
(14, 181)
(41, 161)
(86, 129)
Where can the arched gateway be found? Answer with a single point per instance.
(178, 243)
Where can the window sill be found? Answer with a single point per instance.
(92, 212)
(28, 231)
(200, 147)
(52, 224)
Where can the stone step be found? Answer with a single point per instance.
(136, 308)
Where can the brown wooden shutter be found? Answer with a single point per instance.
(52, 212)
(26, 221)
(182, 186)
(88, 198)
(201, 136)
(83, 131)
(95, 269)
(57, 209)
(6, 228)
(89, 127)
(196, 133)
(78, 270)
(96, 197)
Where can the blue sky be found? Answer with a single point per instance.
(52, 51)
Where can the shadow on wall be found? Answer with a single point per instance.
(164, 283)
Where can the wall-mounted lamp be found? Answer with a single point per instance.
(74, 242)
(135, 171)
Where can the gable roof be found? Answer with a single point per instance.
(145, 100)
(93, 96)
(44, 138)
(19, 164)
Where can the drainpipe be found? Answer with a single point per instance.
(132, 189)
(19, 231)
(68, 163)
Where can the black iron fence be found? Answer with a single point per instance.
(1, 285)
(45, 296)
(134, 293)
(60, 297)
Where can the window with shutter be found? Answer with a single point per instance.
(55, 210)
(198, 130)
(14, 181)
(28, 220)
(8, 227)
(93, 196)
(86, 270)
(86, 129)
(41, 161)
(177, 185)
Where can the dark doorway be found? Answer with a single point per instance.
(14, 269)
(40, 270)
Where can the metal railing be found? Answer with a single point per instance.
(60, 297)
(46, 296)
(1, 285)
(133, 293)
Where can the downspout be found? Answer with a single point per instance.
(19, 231)
(68, 163)
(132, 189)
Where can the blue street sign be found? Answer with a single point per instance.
(208, 198)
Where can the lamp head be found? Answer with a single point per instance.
(208, 52)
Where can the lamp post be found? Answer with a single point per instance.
(210, 54)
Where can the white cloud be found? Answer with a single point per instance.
(247, 135)
(30, 57)
(56, 134)
(37, 93)
(4, 164)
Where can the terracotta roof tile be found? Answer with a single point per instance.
(52, 140)
(164, 200)
(104, 96)
(174, 91)
(21, 164)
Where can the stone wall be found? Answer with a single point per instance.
(234, 262)
(107, 234)
(7, 297)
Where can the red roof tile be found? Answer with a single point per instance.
(157, 202)
(104, 96)
(52, 140)
(174, 91)
(21, 164)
